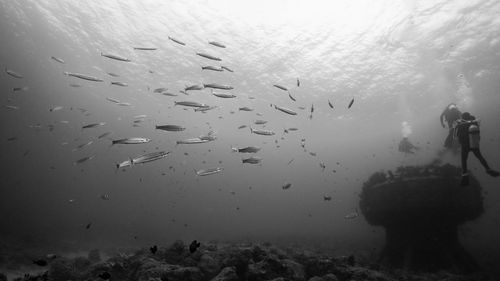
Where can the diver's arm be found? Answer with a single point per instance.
(441, 118)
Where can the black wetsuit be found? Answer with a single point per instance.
(463, 138)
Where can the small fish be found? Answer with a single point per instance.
(104, 135)
(322, 165)
(40, 262)
(190, 103)
(149, 157)
(11, 107)
(130, 141)
(217, 86)
(83, 145)
(312, 153)
(17, 89)
(292, 129)
(177, 41)
(124, 164)
(169, 94)
(211, 171)
(285, 110)
(113, 74)
(352, 215)
(211, 68)
(75, 85)
(242, 126)
(105, 197)
(193, 88)
(312, 110)
(115, 57)
(13, 73)
(245, 109)
(88, 225)
(261, 132)
(193, 246)
(224, 96)
(117, 83)
(83, 76)
(159, 90)
(330, 104)
(291, 160)
(153, 249)
(292, 98)
(84, 159)
(145, 48)
(248, 149)
(208, 56)
(260, 122)
(226, 68)
(327, 198)
(252, 160)
(170, 128)
(298, 82)
(105, 275)
(56, 108)
(193, 141)
(93, 125)
(280, 87)
(113, 100)
(287, 185)
(350, 104)
(124, 104)
(142, 116)
(217, 44)
(57, 59)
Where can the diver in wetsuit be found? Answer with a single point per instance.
(451, 114)
(467, 131)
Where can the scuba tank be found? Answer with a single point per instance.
(474, 136)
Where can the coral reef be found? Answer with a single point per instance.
(421, 209)
(230, 262)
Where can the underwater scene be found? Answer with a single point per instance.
(249, 140)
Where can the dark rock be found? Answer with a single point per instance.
(3, 277)
(210, 266)
(227, 274)
(64, 269)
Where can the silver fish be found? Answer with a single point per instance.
(124, 104)
(115, 57)
(12, 107)
(292, 98)
(113, 100)
(211, 68)
(190, 103)
(242, 126)
(193, 87)
(170, 128)
(248, 149)
(280, 87)
(261, 132)
(113, 74)
(298, 82)
(57, 59)
(224, 96)
(13, 73)
(285, 186)
(84, 159)
(226, 68)
(169, 94)
(17, 89)
(142, 116)
(159, 90)
(260, 122)
(285, 110)
(117, 83)
(217, 86)
(217, 44)
(56, 108)
(124, 164)
(104, 135)
(131, 141)
(252, 160)
(327, 198)
(176, 41)
(192, 141)
(83, 76)
(145, 48)
(153, 156)
(208, 56)
(93, 125)
(210, 171)
(245, 109)
(330, 104)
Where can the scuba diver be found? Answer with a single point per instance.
(467, 132)
(406, 146)
(451, 114)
